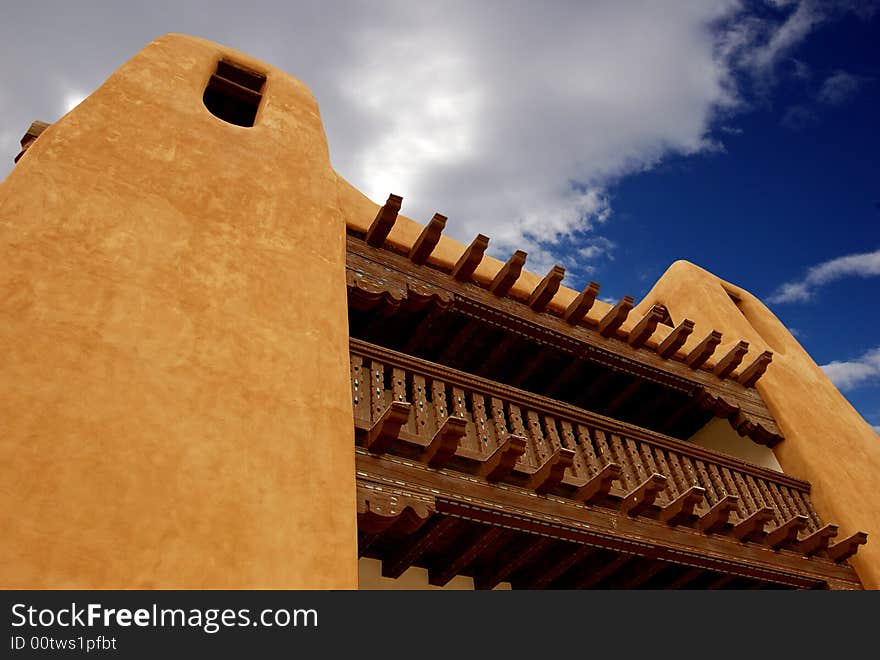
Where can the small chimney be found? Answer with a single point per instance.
(31, 136)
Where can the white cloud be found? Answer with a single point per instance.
(848, 375)
(854, 265)
(839, 87)
(72, 99)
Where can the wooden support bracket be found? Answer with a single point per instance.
(445, 442)
(615, 317)
(427, 240)
(676, 339)
(384, 221)
(703, 351)
(756, 369)
(464, 268)
(643, 330)
(843, 550)
(717, 517)
(508, 275)
(786, 535)
(501, 462)
(579, 307)
(384, 431)
(599, 485)
(752, 527)
(680, 511)
(544, 292)
(550, 474)
(643, 496)
(731, 361)
(817, 542)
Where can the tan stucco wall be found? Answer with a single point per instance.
(826, 441)
(719, 435)
(175, 407)
(414, 578)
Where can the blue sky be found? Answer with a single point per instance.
(612, 137)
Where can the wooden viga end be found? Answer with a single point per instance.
(729, 366)
(449, 420)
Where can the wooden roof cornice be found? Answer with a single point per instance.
(388, 277)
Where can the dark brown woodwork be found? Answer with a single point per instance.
(703, 351)
(445, 442)
(721, 582)
(513, 562)
(467, 263)
(412, 549)
(384, 221)
(548, 575)
(817, 542)
(843, 550)
(615, 317)
(577, 310)
(644, 495)
(595, 576)
(786, 535)
(380, 510)
(643, 330)
(637, 573)
(459, 342)
(622, 398)
(686, 578)
(676, 339)
(755, 370)
(718, 516)
(599, 485)
(427, 240)
(386, 270)
(752, 528)
(538, 360)
(680, 511)
(500, 463)
(731, 361)
(544, 292)
(380, 436)
(508, 275)
(33, 132)
(550, 474)
(440, 575)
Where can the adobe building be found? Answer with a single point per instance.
(224, 367)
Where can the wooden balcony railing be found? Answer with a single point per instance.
(446, 418)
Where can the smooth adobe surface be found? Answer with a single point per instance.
(176, 410)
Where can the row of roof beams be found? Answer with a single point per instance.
(611, 324)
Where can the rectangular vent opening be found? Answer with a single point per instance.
(233, 93)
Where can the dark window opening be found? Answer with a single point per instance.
(234, 93)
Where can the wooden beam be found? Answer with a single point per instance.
(535, 363)
(593, 578)
(675, 339)
(843, 550)
(414, 546)
(680, 511)
(559, 381)
(579, 307)
(717, 517)
(439, 576)
(786, 535)
(385, 430)
(501, 462)
(615, 317)
(752, 527)
(384, 221)
(462, 338)
(644, 495)
(683, 580)
(508, 275)
(756, 369)
(731, 361)
(501, 353)
(512, 563)
(549, 574)
(703, 351)
(544, 292)
(625, 395)
(599, 485)
(720, 582)
(445, 442)
(817, 542)
(643, 330)
(550, 474)
(639, 573)
(464, 268)
(427, 240)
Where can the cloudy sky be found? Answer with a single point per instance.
(613, 137)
